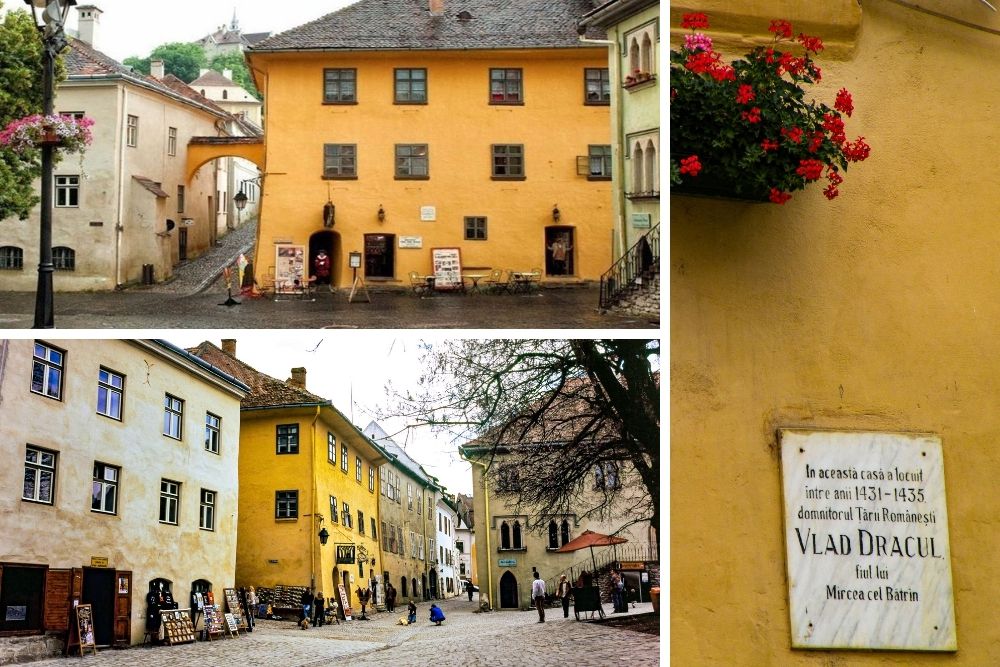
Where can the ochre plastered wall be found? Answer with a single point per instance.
(875, 311)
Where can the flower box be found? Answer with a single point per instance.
(68, 133)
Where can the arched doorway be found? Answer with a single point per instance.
(198, 589)
(346, 580)
(434, 585)
(426, 591)
(402, 586)
(508, 591)
(415, 592)
(329, 242)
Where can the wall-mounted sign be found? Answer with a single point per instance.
(98, 561)
(866, 536)
(411, 241)
(507, 562)
(642, 220)
(345, 554)
(428, 213)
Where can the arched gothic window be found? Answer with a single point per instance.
(651, 175)
(565, 531)
(517, 535)
(637, 167)
(553, 535)
(504, 536)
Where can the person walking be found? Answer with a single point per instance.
(538, 595)
(318, 603)
(306, 600)
(390, 598)
(468, 588)
(563, 594)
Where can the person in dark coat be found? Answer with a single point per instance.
(318, 603)
(390, 598)
(468, 587)
(306, 601)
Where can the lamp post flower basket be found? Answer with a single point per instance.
(68, 133)
(748, 129)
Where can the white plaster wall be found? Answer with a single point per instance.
(67, 533)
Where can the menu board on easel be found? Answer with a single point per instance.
(289, 268)
(447, 264)
(81, 632)
(233, 603)
(344, 604)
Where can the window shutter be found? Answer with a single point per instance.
(57, 595)
(582, 165)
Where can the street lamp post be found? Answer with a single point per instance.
(50, 27)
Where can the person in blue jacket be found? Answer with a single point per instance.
(436, 614)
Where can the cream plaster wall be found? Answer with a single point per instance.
(68, 533)
(875, 311)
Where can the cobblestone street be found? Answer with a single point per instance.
(465, 639)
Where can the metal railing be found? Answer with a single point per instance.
(642, 260)
(603, 558)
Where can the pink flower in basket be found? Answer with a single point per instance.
(70, 134)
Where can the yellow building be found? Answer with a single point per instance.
(304, 469)
(874, 312)
(393, 129)
(120, 479)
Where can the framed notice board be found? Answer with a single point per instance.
(447, 264)
(344, 605)
(289, 267)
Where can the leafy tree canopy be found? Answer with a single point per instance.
(20, 95)
(241, 74)
(559, 409)
(182, 59)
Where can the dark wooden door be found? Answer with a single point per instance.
(123, 608)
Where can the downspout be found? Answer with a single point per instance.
(119, 223)
(312, 504)
(489, 554)
(619, 231)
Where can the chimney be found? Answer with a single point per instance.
(437, 7)
(228, 73)
(89, 23)
(156, 69)
(298, 378)
(229, 346)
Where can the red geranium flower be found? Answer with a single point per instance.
(835, 126)
(794, 135)
(844, 103)
(811, 170)
(752, 116)
(781, 28)
(694, 21)
(814, 44)
(831, 191)
(857, 151)
(690, 165)
(769, 145)
(745, 94)
(779, 197)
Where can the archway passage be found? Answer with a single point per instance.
(205, 149)
(508, 591)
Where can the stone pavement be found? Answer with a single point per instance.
(465, 639)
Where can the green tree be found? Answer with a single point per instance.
(20, 96)
(241, 73)
(181, 59)
(560, 410)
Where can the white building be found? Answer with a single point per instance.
(121, 475)
(465, 541)
(447, 557)
(129, 201)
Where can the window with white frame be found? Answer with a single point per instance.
(345, 517)
(132, 131)
(170, 498)
(110, 390)
(104, 489)
(206, 517)
(357, 468)
(331, 448)
(287, 439)
(173, 416)
(361, 522)
(333, 509)
(643, 154)
(47, 366)
(39, 475)
(171, 141)
(409, 496)
(344, 459)
(213, 430)
(371, 478)
(67, 191)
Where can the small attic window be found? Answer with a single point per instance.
(464, 16)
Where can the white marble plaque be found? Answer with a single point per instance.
(866, 537)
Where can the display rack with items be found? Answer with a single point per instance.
(177, 626)
(233, 604)
(213, 621)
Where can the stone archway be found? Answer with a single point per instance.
(508, 591)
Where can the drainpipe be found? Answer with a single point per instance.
(489, 553)
(119, 222)
(619, 232)
(312, 504)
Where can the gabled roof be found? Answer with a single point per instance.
(213, 78)
(84, 63)
(376, 433)
(465, 24)
(265, 391)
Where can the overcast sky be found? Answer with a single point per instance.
(350, 369)
(136, 27)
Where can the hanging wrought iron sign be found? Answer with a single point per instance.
(345, 554)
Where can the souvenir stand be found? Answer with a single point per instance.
(235, 608)
(178, 628)
(213, 622)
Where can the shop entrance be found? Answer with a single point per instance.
(380, 255)
(21, 592)
(346, 581)
(508, 591)
(328, 242)
(635, 588)
(559, 251)
(99, 592)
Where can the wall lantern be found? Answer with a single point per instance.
(324, 535)
(240, 200)
(329, 213)
(381, 213)
(556, 214)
